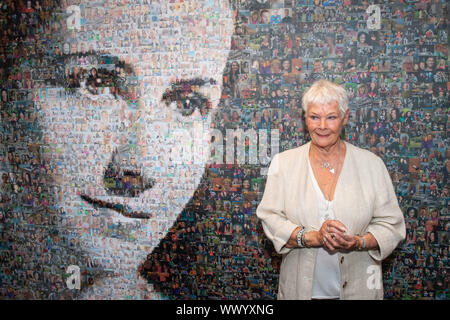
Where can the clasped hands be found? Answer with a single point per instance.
(332, 236)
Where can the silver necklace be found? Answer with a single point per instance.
(332, 184)
(328, 166)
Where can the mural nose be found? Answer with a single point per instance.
(123, 176)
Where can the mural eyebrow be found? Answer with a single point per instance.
(98, 71)
(99, 59)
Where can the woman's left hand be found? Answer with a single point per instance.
(348, 242)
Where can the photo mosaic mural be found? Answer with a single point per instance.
(136, 136)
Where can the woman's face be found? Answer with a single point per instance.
(430, 63)
(393, 114)
(265, 17)
(275, 67)
(325, 123)
(92, 150)
(404, 140)
(317, 66)
(395, 90)
(362, 38)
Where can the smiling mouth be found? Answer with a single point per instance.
(323, 135)
(120, 208)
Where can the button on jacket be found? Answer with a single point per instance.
(364, 201)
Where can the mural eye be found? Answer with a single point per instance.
(185, 98)
(191, 102)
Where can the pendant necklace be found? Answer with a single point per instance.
(329, 167)
(327, 164)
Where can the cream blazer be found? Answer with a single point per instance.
(365, 201)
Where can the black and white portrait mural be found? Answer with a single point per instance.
(136, 136)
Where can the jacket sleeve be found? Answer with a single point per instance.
(271, 210)
(387, 224)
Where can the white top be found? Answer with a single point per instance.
(327, 274)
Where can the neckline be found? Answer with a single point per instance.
(316, 184)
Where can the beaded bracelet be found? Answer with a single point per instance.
(363, 243)
(300, 238)
(303, 240)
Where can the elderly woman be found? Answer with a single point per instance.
(330, 208)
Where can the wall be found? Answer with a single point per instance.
(209, 244)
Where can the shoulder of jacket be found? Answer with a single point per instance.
(365, 156)
(285, 160)
(292, 154)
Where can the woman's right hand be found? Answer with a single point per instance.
(292, 242)
(313, 239)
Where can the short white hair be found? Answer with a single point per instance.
(324, 92)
